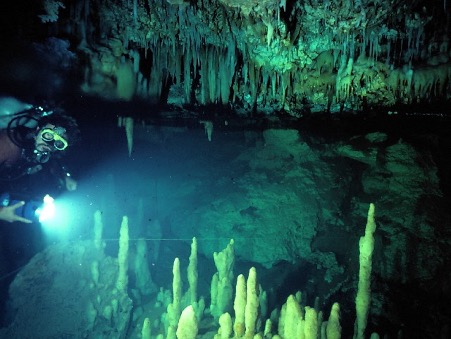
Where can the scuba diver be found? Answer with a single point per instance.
(31, 139)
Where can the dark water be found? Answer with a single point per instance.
(172, 155)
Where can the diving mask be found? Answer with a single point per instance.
(55, 136)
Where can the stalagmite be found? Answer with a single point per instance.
(187, 327)
(363, 297)
(333, 327)
(174, 308)
(192, 272)
(146, 329)
(221, 287)
(252, 303)
(239, 306)
(122, 258)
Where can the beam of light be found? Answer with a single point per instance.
(47, 211)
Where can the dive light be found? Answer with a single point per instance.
(34, 210)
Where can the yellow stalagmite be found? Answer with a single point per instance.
(187, 326)
(122, 258)
(268, 328)
(252, 303)
(175, 307)
(225, 260)
(295, 321)
(222, 282)
(239, 306)
(363, 298)
(290, 322)
(225, 327)
(311, 323)
(192, 272)
(146, 330)
(143, 279)
(333, 328)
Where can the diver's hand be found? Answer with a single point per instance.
(71, 184)
(8, 213)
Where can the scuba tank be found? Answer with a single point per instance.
(9, 107)
(19, 119)
(15, 113)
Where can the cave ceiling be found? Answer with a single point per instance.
(265, 56)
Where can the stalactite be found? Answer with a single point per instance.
(245, 73)
(128, 124)
(187, 76)
(253, 81)
(224, 72)
(364, 42)
(195, 43)
(212, 73)
(375, 47)
(387, 58)
(265, 82)
(283, 4)
(135, 12)
(140, 90)
(351, 42)
(269, 32)
(283, 88)
(274, 85)
(227, 66)
(208, 127)
(134, 54)
(203, 79)
(286, 81)
(344, 79)
(235, 91)
(159, 65)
